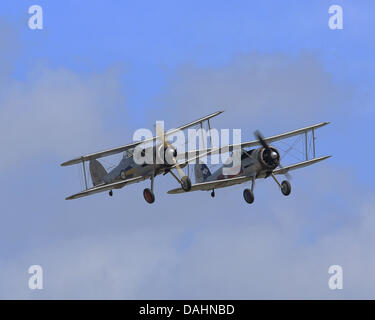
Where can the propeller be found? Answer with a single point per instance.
(260, 137)
(267, 148)
(163, 140)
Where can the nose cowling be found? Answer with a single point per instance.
(170, 154)
(269, 157)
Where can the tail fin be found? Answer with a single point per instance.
(97, 172)
(201, 172)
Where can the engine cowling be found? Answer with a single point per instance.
(167, 155)
(269, 158)
(170, 155)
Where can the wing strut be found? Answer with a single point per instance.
(84, 173)
(313, 141)
(209, 130)
(306, 147)
(307, 143)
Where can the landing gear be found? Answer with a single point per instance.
(213, 194)
(186, 183)
(110, 193)
(286, 188)
(149, 196)
(248, 195)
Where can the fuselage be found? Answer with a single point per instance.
(128, 168)
(252, 164)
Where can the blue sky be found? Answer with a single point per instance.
(99, 70)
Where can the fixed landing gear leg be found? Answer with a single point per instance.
(184, 181)
(285, 186)
(148, 194)
(248, 194)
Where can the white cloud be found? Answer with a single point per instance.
(219, 248)
(55, 111)
(199, 251)
(255, 88)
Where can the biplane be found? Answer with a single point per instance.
(258, 159)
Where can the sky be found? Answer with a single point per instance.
(98, 71)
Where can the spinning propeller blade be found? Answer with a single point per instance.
(163, 140)
(260, 137)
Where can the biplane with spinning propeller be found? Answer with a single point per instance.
(258, 159)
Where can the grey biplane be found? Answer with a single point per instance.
(129, 172)
(255, 163)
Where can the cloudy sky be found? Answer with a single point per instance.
(100, 70)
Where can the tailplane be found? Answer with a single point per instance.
(97, 172)
(201, 172)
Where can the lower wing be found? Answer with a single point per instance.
(105, 187)
(216, 184)
(299, 165)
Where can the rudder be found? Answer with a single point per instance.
(97, 172)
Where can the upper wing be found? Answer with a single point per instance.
(102, 154)
(299, 165)
(105, 187)
(113, 151)
(216, 184)
(231, 147)
(285, 135)
(193, 123)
